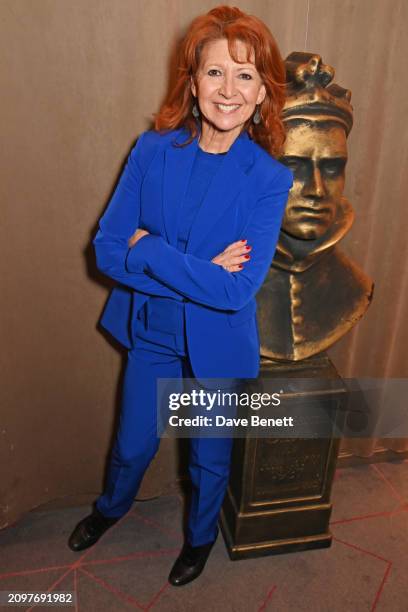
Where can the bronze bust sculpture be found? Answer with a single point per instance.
(313, 293)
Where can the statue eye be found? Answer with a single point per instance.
(333, 167)
(291, 162)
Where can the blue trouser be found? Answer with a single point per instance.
(161, 352)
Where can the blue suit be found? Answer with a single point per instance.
(179, 314)
(246, 199)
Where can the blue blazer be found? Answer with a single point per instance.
(246, 199)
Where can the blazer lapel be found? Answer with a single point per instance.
(178, 164)
(225, 185)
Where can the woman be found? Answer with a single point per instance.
(189, 234)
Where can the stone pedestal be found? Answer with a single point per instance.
(278, 498)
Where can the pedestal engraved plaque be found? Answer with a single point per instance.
(278, 498)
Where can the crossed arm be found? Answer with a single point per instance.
(153, 266)
(117, 224)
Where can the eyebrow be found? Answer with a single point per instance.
(306, 158)
(243, 66)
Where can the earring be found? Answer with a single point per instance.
(195, 112)
(257, 116)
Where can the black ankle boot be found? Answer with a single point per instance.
(89, 530)
(190, 563)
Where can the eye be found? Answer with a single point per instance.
(246, 75)
(211, 71)
(294, 163)
(333, 167)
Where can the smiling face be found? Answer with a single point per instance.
(317, 155)
(227, 92)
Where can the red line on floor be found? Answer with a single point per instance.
(368, 516)
(34, 571)
(118, 593)
(76, 590)
(381, 587)
(51, 587)
(267, 599)
(367, 552)
(157, 596)
(389, 483)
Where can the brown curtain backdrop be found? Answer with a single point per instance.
(79, 81)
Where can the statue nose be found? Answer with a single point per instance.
(315, 185)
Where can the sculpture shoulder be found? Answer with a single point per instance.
(271, 169)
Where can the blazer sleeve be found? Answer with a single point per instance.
(118, 223)
(206, 282)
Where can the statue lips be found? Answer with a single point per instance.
(310, 211)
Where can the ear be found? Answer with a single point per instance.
(193, 87)
(261, 94)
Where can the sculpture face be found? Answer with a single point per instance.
(316, 152)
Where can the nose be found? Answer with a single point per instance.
(227, 89)
(315, 186)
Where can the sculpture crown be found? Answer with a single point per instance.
(309, 95)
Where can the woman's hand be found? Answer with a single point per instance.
(232, 258)
(139, 233)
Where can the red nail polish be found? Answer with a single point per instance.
(240, 267)
(248, 248)
(243, 240)
(247, 256)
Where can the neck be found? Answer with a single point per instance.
(216, 141)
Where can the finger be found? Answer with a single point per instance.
(234, 245)
(237, 260)
(234, 268)
(240, 253)
(134, 235)
(238, 249)
(139, 233)
(132, 241)
(231, 256)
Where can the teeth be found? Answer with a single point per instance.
(228, 108)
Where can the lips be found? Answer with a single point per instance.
(312, 211)
(227, 108)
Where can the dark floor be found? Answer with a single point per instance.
(365, 569)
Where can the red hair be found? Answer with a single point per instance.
(232, 24)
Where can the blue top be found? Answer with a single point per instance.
(204, 167)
